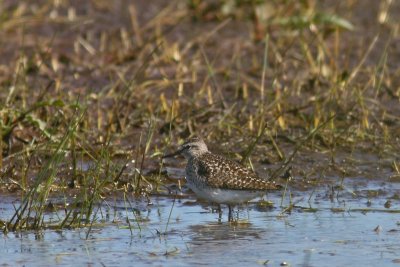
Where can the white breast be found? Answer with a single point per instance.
(225, 196)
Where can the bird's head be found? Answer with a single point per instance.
(193, 147)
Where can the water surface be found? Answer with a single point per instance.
(345, 230)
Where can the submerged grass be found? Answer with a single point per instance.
(30, 214)
(279, 78)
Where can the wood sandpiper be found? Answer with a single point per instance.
(218, 179)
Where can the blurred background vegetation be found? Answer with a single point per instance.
(92, 93)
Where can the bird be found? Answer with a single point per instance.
(220, 180)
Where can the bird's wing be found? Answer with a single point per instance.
(227, 174)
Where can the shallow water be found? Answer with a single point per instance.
(328, 236)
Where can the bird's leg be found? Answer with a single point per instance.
(219, 209)
(230, 213)
(219, 213)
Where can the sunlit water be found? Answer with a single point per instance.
(195, 237)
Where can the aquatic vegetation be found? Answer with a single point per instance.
(92, 97)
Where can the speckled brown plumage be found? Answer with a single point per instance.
(216, 171)
(220, 180)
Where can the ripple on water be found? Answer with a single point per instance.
(307, 237)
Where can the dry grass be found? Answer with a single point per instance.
(106, 84)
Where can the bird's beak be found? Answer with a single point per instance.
(179, 151)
